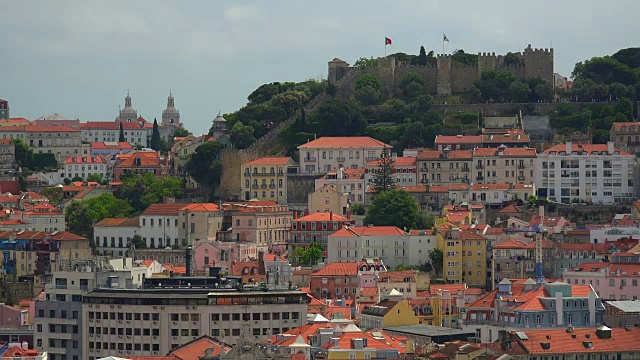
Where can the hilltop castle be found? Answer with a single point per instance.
(446, 77)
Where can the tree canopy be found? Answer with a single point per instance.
(311, 254)
(339, 117)
(181, 132)
(80, 215)
(204, 165)
(393, 208)
(382, 178)
(142, 190)
(156, 142)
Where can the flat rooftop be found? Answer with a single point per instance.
(428, 330)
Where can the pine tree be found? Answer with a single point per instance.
(121, 138)
(155, 143)
(422, 57)
(383, 177)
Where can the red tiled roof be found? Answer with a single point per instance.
(238, 267)
(348, 141)
(49, 128)
(342, 268)
(175, 269)
(509, 209)
(619, 125)
(451, 155)
(370, 291)
(494, 231)
(508, 152)
(548, 220)
(354, 231)
(453, 288)
(400, 161)
(348, 174)
(269, 161)
(322, 216)
(201, 207)
(457, 216)
(457, 139)
(147, 158)
(507, 136)
(163, 209)
(119, 222)
(511, 244)
(111, 146)
(84, 160)
(563, 342)
(195, 349)
(109, 125)
(588, 149)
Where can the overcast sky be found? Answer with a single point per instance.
(78, 58)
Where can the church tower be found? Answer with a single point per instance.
(219, 127)
(171, 116)
(128, 114)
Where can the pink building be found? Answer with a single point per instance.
(266, 225)
(139, 163)
(13, 317)
(617, 280)
(222, 254)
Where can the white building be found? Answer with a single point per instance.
(159, 225)
(345, 181)
(598, 173)
(404, 170)
(329, 153)
(388, 243)
(112, 235)
(278, 269)
(135, 133)
(83, 166)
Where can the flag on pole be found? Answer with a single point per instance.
(445, 38)
(387, 41)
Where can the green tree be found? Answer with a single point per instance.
(310, 255)
(95, 177)
(437, 259)
(426, 221)
(54, 194)
(181, 132)
(600, 136)
(77, 178)
(422, 57)
(543, 92)
(629, 57)
(393, 208)
(142, 190)
(290, 101)
(357, 209)
(24, 154)
(241, 135)
(364, 63)
(416, 135)
(519, 91)
(368, 80)
(339, 118)
(264, 93)
(138, 242)
(383, 179)
(460, 57)
(121, 137)
(155, 143)
(66, 181)
(107, 206)
(368, 95)
(204, 166)
(625, 107)
(412, 86)
(78, 219)
(511, 59)
(331, 90)
(422, 104)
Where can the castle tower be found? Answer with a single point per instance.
(538, 63)
(337, 69)
(128, 114)
(171, 116)
(219, 127)
(443, 79)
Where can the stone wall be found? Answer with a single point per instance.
(232, 160)
(298, 188)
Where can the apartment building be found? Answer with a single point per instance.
(493, 138)
(388, 243)
(199, 222)
(443, 167)
(4, 109)
(497, 194)
(592, 173)
(327, 154)
(403, 170)
(159, 225)
(457, 142)
(464, 257)
(263, 223)
(41, 217)
(110, 148)
(328, 199)
(112, 235)
(516, 259)
(315, 227)
(62, 141)
(7, 158)
(152, 321)
(626, 136)
(617, 280)
(346, 181)
(266, 179)
(340, 279)
(135, 133)
(504, 165)
(83, 166)
(140, 162)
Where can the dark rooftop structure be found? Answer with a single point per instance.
(426, 334)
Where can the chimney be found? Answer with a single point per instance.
(394, 157)
(261, 268)
(339, 173)
(568, 147)
(188, 258)
(348, 214)
(610, 148)
(330, 215)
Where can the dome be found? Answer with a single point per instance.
(219, 118)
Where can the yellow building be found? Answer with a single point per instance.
(388, 313)
(266, 179)
(464, 257)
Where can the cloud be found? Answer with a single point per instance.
(238, 14)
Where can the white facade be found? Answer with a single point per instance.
(83, 166)
(113, 235)
(329, 153)
(600, 173)
(404, 171)
(159, 231)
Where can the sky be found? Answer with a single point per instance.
(78, 58)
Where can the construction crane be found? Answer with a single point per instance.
(535, 229)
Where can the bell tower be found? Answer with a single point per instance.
(171, 116)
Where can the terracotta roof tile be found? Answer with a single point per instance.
(353, 141)
(163, 209)
(457, 139)
(195, 349)
(587, 148)
(201, 207)
(354, 231)
(84, 160)
(119, 222)
(562, 342)
(269, 161)
(111, 146)
(619, 125)
(109, 125)
(322, 216)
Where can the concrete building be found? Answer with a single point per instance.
(170, 317)
(314, 227)
(504, 165)
(464, 257)
(597, 173)
(403, 171)
(265, 179)
(327, 154)
(328, 199)
(388, 243)
(84, 166)
(443, 167)
(346, 181)
(626, 136)
(263, 223)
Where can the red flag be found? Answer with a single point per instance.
(387, 41)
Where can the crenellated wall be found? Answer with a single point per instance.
(446, 77)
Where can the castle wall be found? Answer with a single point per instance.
(444, 75)
(298, 188)
(463, 77)
(538, 63)
(232, 160)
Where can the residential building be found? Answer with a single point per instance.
(14, 317)
(265, 179)
(15, 122)
(496, 195)
(515, 259)
(551, 224)
(444, 167)
(62, 141)
(314, 227)
(40, 217)
(84, 166)
(110, 148)
(278, 269)
(612, 281)
(199, 222)
(140, 162)
(626, 136)
(593, 173)
(340, 279)
(327, 154)
(7, 158)
(504, 165)
(160, 224)
(388, 313)
(623, 313)
(346, 181)
(263, 223)
(328, 199)
(403, 281)
(388, 243)
(403, 171)
(464, 256)
(112, 236)
(493, 138)
(457, 142)
(4, 109)
(171, 317)
(521, 304)
(135, 133)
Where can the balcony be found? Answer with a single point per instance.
(466, 169)
(372, 158)
(310, 159)
(520, 166)
(520, 178)
(424, 181)
(341, 158)
(479, 166)
(479, 178)
(255, 186)
(272, 186)
(263, 186)
(264, 173)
